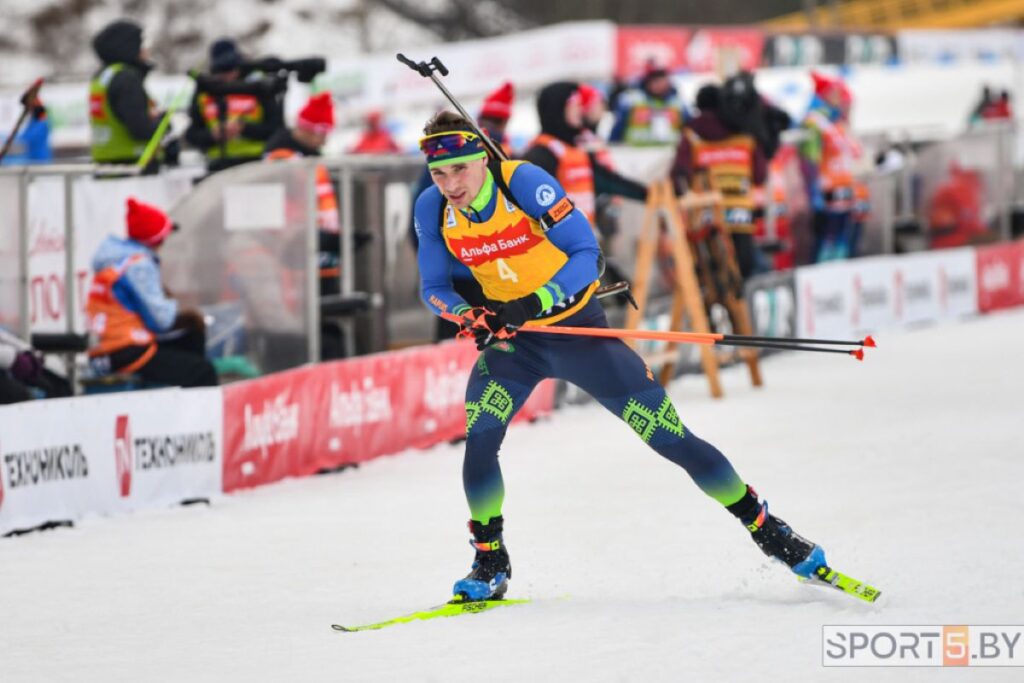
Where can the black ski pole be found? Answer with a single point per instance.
(430, 70)
(26, 104)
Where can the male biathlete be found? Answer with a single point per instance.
(536, 259)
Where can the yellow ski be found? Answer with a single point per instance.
(825, 575)
(452, 608)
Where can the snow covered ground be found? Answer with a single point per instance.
(907, 468)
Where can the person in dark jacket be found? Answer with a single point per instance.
(122, 117)
(556, 150)
(559, 151)
(232, 129)
(306, 139)
(723, 149)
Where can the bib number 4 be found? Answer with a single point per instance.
(506, 273)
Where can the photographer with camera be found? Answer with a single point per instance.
(235, 110)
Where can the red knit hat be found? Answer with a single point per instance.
(318, 114)
(826, 86)
(589, 96)
(147, 224)
(498, 104)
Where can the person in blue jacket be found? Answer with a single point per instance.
(137, 327)
(32, 145)
(536, 259)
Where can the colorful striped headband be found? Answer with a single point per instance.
(452, 146)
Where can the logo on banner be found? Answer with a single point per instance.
(817, 306)
(447, 387)
(943, 290)
(512, 241)
(42, 465)
(995, 276)
(162, 451)
(866, 299)
(918, 291)
(123, 455)
(897, 279)
(278, 423)
(359, 405)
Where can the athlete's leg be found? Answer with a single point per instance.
(618, 378)
(501, 381)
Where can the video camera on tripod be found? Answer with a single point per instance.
(268, 75)
(265, 78)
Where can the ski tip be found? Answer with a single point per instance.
(869, 341)
(339, 627)
(858, 354)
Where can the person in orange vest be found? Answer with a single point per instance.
(719, 151)
(375, 138)
(232, 129)
(306, 139)
(557, 151)
(582, 173)
(312, 126)
(138, 328)
(829, 156)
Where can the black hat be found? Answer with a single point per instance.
(224, 56)
(708, 97)
(119, 41)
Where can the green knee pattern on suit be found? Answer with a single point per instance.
(645, 421)
(495, 400)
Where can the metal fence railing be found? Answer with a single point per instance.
(247, 252)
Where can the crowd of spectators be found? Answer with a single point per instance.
(727, 141)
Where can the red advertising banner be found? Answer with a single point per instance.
(724, 50)
(1000, 276)
(678, 48)
(297, 422)
(268, 423)
(637, 46)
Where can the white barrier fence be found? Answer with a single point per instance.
(64, 459)
(851, 298)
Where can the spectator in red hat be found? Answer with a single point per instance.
(139, 329)
(306, 139)
(495, 113)
(375, 139)
(592, 104)
(830, 158)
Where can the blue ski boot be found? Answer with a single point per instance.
(488, 578)
(776, 538)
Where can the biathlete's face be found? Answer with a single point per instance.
(460, 182)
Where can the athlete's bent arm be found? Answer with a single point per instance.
(435, 261)
(572, 235)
